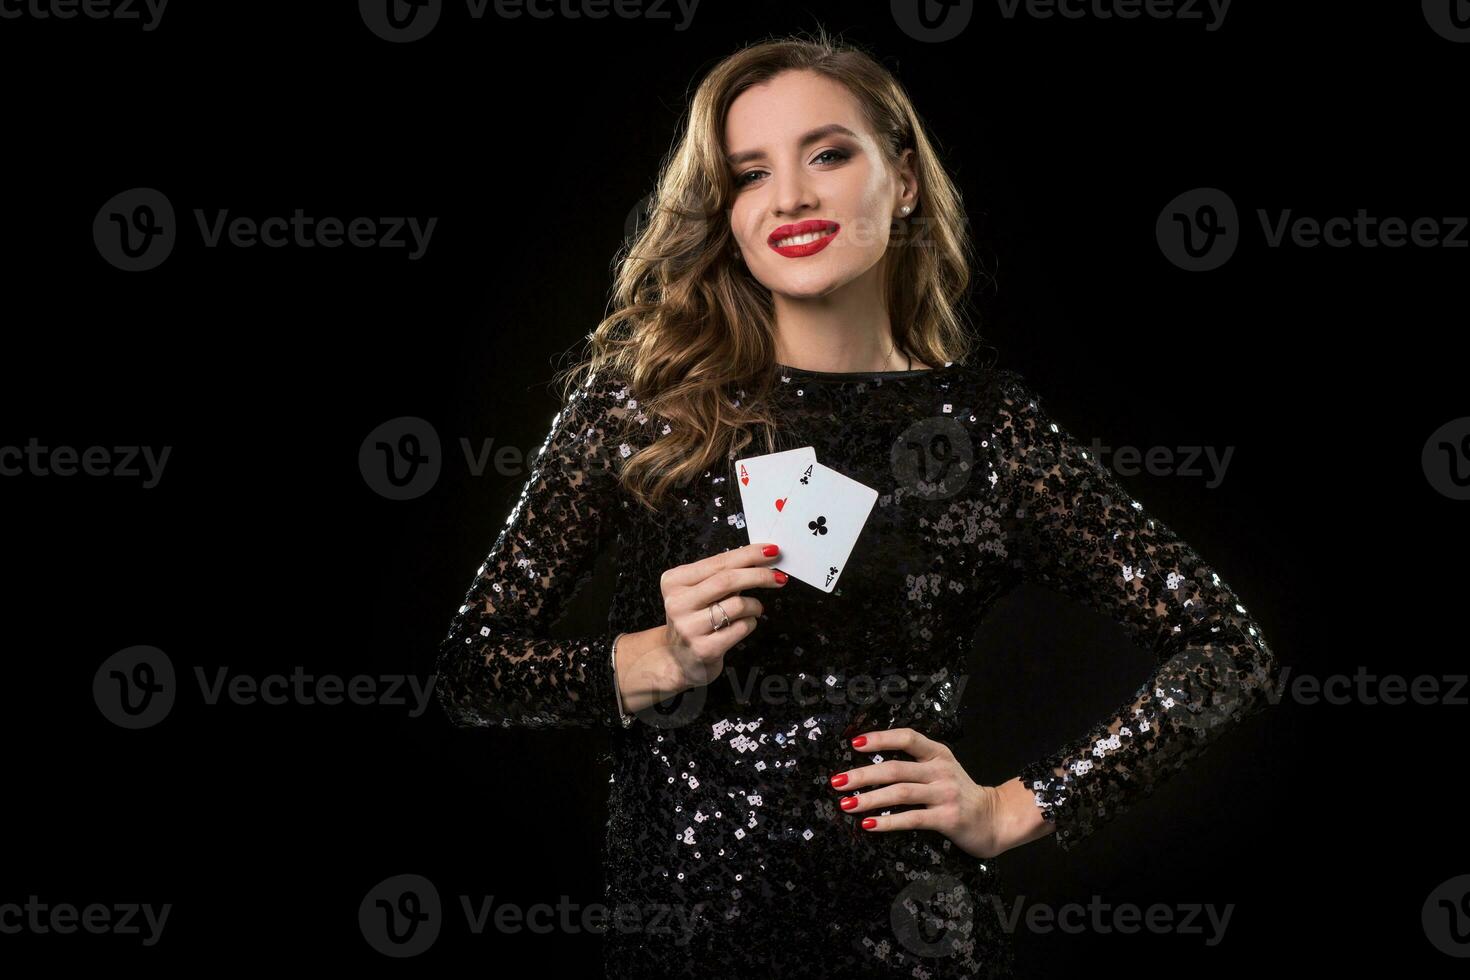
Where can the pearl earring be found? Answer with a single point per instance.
(905, 209)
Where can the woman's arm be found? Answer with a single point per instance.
(1074, 528)
(499, 664)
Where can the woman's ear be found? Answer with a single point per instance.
(909, 196)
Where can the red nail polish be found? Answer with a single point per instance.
(780, 577)
(869, 823)
(770, 550)
(860, 741)
(840, 779)
(848, 802)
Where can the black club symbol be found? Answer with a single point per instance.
(818, 526)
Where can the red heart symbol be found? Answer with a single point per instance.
(781, 503)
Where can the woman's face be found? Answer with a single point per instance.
(803, 160)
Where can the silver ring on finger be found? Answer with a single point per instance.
(726, 616)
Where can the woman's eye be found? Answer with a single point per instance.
(837, 157)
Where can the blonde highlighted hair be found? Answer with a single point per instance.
(690, 325)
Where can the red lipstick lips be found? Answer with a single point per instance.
(802, 228)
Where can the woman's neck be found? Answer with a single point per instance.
(840, 349)
(847, 330)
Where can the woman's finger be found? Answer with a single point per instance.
(920, 746)
(882, 773)
(735, 606)
(925, 819)
(697, 571)
(895, 794)
(727, 582)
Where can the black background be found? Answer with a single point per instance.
(262, 548)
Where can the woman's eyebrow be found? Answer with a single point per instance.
(831, 129)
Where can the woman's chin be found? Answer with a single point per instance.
(808, 286)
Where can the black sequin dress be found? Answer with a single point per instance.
(725, 844)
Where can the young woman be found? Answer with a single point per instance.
(798, 809)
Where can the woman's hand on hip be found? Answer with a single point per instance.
(971, 815)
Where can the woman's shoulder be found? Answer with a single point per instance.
(982, 378)
(1001, 394)
(605, 400)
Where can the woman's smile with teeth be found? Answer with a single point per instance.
(803, 239)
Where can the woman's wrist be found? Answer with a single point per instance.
(1020, 819)
(642, 669)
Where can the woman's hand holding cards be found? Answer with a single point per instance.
(705, 616)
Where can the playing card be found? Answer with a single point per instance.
(819, 526)
(763, 482)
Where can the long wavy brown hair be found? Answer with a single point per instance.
(691, 326)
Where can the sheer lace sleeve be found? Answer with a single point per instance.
(499, 665)
(1074, 528)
